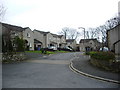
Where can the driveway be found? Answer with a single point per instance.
(48, 72)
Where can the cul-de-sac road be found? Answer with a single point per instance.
(48, 72)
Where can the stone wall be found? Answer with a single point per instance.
(12, 57)
(106, 65)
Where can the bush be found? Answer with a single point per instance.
(43, 50)
(19, 43)
(103, 55)
(105, 60)
(90, 53)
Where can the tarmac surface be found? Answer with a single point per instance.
(43, 71)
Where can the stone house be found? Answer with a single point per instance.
(71, 43)
(11, 31)
(89, 45)
(62, 43)
(35, 39)
(113, 39)
(29, 38)
(57, 40)
(46, 39)
(40, 39)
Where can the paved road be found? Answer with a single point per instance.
(48, 72)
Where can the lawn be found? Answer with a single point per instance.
(48, 52)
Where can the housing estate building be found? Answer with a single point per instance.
(57, 40)
(9, 32)
(46, 39)
(89, 45)
(113, 39)
(34, 40)
(40, 39)
(29, 38)
(71, 43)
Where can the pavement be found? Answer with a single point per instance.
(81, 64)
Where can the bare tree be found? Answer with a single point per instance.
(113, 22)
(64, 31)
(102, 30)
(73, 33)
(87, 35)
(2, 11)
(70, 33)
(91, 33)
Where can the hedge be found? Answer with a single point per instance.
(105, 60)
(103, 55)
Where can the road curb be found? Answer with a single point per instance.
(89, 75)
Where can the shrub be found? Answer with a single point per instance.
(103, 55)
(43, 50)
(19, 43)
(90, 53)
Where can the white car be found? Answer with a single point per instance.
(105, 49)
(52, 48)
(68, 48)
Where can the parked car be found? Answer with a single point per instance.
(52, 48)
(67, 49)
(105, 49)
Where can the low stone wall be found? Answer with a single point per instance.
(107, 65)
(13, 57)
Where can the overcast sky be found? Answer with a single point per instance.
(53, 15)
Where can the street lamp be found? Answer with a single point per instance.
(84, 35)
(84, 30)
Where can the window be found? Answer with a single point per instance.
(28, 34)
(16, 34)
(30, 45)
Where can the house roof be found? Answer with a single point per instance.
(37, 41)
(13, 27)
(55, 35)
(42, 32)
(53, 42)
(60, 36)
(70, 40)
(87, 40)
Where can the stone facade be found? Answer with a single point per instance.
(9, 32)
(34, 39)
(41, 37)
(48, 39)
(13, 31)
(29, 38)
(71, 43)
(89, 45)
(113, 39)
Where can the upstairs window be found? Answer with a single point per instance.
(28, 34)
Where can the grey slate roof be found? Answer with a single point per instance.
(13, 27)
(42, 32)
(87, 40)
(70, 40)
